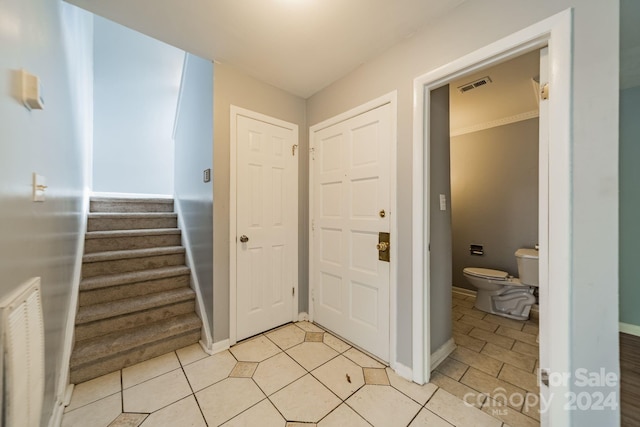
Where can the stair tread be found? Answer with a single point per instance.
(131, 233)
(98, 282)
(106, 310)
(122, 341)
(125, 215)
(131, 253)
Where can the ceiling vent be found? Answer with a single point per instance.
(474, 84)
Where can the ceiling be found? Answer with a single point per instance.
(300, 46)
(511, 93)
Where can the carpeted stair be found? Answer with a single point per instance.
(135, 302)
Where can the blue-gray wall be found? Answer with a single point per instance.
(137, 80)
(194, 154)
(494, 196)
(53, 41)
(440, 221)
(629, 205)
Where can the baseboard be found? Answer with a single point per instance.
(438, 356)
(62, 385)
(56, 416)
(218, 347)
(403, 371)
(630, 329)
(303, 317)
(206, 336)
(464, 291)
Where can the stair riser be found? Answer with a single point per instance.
(134, 320)
(100, 206)
(90, 371)
(131, 264)
(113, 293)
(106, 224)
(135, 242)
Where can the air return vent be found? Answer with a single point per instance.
(474, 84)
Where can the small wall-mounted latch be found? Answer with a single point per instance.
(476, 250)
(206, 175)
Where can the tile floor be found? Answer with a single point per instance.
(301, 376)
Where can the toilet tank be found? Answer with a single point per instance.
(527, 266)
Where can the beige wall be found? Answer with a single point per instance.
(232, 87)
(594, 199)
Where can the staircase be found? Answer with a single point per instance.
(135, 302)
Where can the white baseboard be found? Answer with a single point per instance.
(438, 356)
(630, 329)
(403, 371)
(206, 336)
(219, 346)
(303, 317)
(62, 384)
(464, 291)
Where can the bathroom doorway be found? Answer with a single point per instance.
(493, 140)
(554, 200)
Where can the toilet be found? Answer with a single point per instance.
(505, 295)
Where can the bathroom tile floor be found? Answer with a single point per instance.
(299, 375)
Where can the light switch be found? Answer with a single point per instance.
(39, 187)
(443, 202)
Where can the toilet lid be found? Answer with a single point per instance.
(487, 273)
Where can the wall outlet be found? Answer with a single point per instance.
(206, 176)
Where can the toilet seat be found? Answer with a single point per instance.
(486, 273)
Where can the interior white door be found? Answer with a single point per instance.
(266, 225)
(350, 206)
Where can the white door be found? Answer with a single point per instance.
(266, 225)
(350, 206)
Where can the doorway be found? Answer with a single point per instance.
(555, 225)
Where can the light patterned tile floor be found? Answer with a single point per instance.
(299, 375)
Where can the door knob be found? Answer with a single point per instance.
(383, 246)
(244, 239)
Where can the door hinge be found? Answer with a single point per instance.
(313, 294)
(293, 149)
(312, 150)
(544, 377)
(293, 292)
(544, 92)
(313, 225)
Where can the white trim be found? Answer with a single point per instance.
(403, 371)
(130, 195)
(390, 98)
(62, 384)
(439, 356)
(464, 291)
(236, 111)
(556, 32)
(176, 116)
(630, 329)
(303, 316)
(495, 123)
(206, 337)
(218, 347)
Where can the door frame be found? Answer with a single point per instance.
(236, 112)
(390, 98)
(555, 268)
